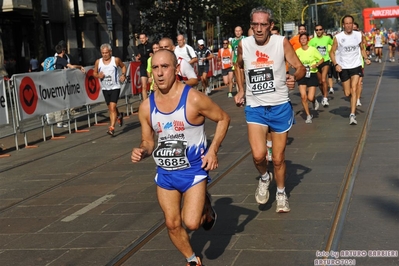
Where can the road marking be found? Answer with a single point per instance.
(89, 207)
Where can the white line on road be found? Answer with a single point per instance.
(89, 207)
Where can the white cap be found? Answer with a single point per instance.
(201, 42)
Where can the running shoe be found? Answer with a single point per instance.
(309, 119)
(262, 191)
(331, 91)
(208, 90)
(211, 216)
(282, 203)
(316, 105)
(269, 154)
(230, 95)
(120, 119)
(352, 120)
(379, 61)
(324, 102)
(193, 263)
(111, 131)
(358, 103)
(376, 59)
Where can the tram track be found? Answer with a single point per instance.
(135, 246)
(334, 235)
(51, 188)
(351, 173)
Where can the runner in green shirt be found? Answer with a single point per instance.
(321, 43)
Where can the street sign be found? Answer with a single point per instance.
(108, 14)
(289, 26)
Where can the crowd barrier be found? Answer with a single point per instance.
(38, 100)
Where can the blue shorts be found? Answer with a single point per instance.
(278, 118)
(178, 181)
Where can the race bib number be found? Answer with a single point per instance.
(307, 75)
(107, 80)
(226, 60)
(322, 50)
(261, 80)
(171, 155)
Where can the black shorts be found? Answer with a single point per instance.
(143, 70)
(312, 81)
(326, 63)
(203, 69)
(392, 44)
(346, 74)
(226, 71)
(111, 95)
(332, 73)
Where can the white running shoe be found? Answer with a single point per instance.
(309, 119)
(282, 203)
(324, 102)
(316, 105)
(208, 90)
(262, 191)
(379, 61)
(352, 120)
(358, 103)
(376, 59)
(331, 91)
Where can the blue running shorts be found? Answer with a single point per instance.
(278, 118)
(178, 181)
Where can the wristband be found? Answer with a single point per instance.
(335, 65)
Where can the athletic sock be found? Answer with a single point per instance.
(265, 176)
(192, 258)
(281, 190)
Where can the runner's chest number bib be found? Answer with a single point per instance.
(171, 155)
(261, 80)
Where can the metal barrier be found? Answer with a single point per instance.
(37, 100)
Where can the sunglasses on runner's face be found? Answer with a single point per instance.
(318, 29)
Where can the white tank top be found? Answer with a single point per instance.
(180, 144)
(111, 80)
(378, 41)
(347, 55)
(264, 68)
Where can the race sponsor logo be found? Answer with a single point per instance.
(92, 85)
(28, 95)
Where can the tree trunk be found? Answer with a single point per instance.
(125, 27)
(39, 36)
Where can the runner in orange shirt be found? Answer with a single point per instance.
(225, 58)
(295, 40)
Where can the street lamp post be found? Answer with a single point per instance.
(317, 4)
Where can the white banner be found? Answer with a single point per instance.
(39, 93)
(3, 104)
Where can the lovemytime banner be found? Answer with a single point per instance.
(3, 104)
(39, 93)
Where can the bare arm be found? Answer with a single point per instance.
(294, 61)
(76, 66)
(201, 106)
(147, 134)
(238, 68)
(120, 64)
(95, 71)
(332, 56)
